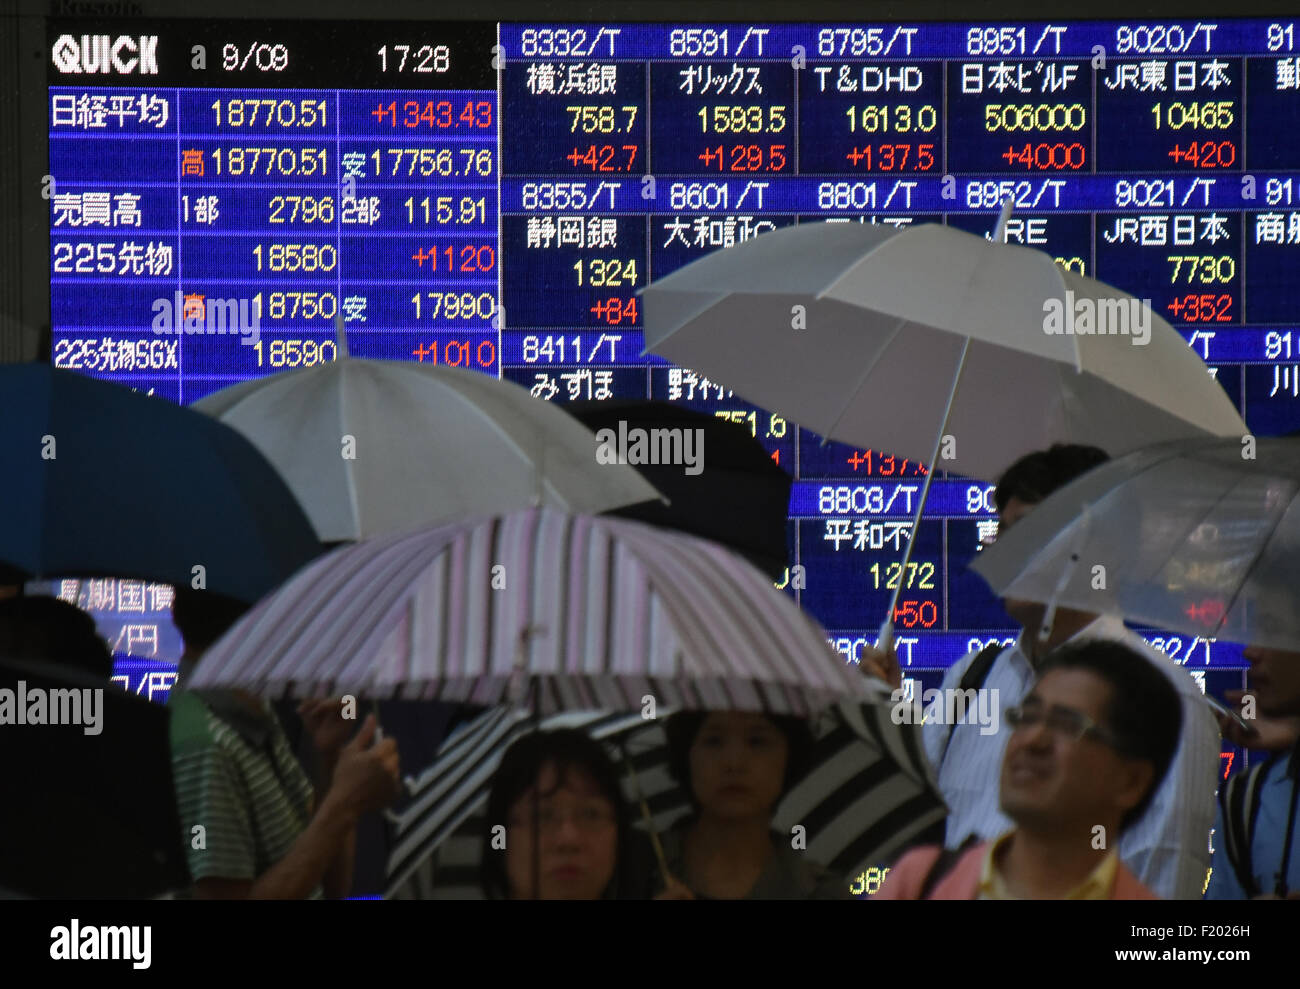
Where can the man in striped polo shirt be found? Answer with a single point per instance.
(1167, 848)
(251, 820)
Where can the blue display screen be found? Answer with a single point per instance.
(492, 196)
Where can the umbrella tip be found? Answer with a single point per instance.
(340, 335)
(885, 640)
(1000, 231)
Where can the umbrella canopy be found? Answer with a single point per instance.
(859, 332)
(739, 499)
(590, 613)
(427, 445)
(87, 816)
(103, 481)
(867, 793)
(1189, 536)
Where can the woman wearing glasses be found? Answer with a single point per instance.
(566, 824)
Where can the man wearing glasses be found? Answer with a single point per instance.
(1088, 749)
(1168, 848)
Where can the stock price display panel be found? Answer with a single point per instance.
(492, 196)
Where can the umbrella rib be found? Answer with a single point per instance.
(543, 482)
(713, 302)
(349, 472)
(862, 381)
(1165, 457)
(857, 260)
(1262, 547)
(1078, 353)
(1210, 511)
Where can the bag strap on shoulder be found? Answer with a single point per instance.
(943, 864)
(972, 679)
(1239, 799)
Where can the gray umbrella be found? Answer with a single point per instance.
(898, 338)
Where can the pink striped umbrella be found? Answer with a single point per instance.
(583, 612)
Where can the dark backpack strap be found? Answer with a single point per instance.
(1288, 840)
(972, 679)
(942, 865)
(1239, 799)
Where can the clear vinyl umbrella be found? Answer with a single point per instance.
(1197, 537)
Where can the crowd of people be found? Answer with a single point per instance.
(1100, 784)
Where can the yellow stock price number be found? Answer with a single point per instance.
(896, 119)
(301, 209)
(606, 273)
(298, 305)
(446, 209)
(425, 162)
(454, 305)
(1202, 269)
(271, 113)
(1209, 115)
(601, 119)
(296, 257)
(919, 575)
(294, 353)
(742, 119)
(299, 162)
(776, 426)
(1035, 117)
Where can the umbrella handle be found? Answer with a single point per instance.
(654, 840)
(645, 814)
(887, 629)
(1063, 580)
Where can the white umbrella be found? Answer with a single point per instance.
(1188, 536)
(894, 338)
(371, 446)
(591, 613)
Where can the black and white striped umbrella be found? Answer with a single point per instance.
(867, 794)
(585, 613)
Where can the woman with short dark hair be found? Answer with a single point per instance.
(735, 767)
(561, 787)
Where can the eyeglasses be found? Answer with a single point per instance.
(1063, 722)
(590, 819)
